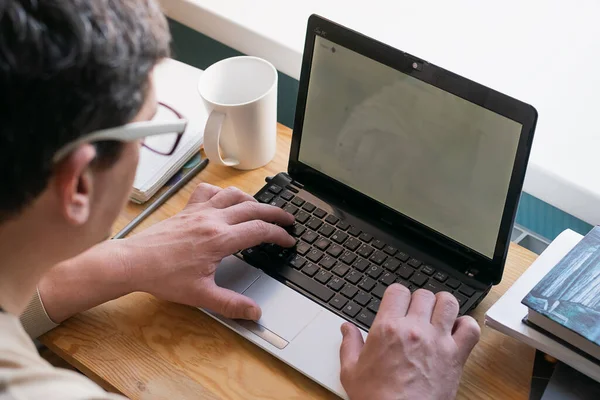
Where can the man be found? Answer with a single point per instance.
(75, 72)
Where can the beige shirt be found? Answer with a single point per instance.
(25, 375)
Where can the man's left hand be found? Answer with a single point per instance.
(176, 259)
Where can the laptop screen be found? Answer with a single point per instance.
(430, 155)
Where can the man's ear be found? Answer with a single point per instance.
(74, 182)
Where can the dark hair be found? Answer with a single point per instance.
(67, 68)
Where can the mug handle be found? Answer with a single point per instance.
(212, 134)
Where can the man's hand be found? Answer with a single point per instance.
(416, 348)
(176, 259)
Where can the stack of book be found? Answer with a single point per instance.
(555, 305)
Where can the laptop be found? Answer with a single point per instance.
(399, 171)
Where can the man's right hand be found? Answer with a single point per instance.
(416, 348)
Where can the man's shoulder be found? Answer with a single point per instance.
(25, 375)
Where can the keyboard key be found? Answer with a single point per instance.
(378, 244)
(275, 189)
(305, 283)
(310, 269)
(461, 299)
(323, 276)
(348, 257)
(297, 262)
(310, 237)
(319, 212)
(365, 237)
(287, 195)
(419, 279)
(314, 223)
(290, 209)
(292, 189)
(302, 216)
(302, 248)
(366, 317)
(402, 256)
(428, 270)
(298, 230)
(361, 264)
(341, 270)
(278, 202)
(464, 289)
(332, 219)
(339, 237)
(390, 250)
(336, 283)
(403, 282)
(388, 278)
(375, 271)
(352, 244)
(391, 264)
(352, 309)
(378, 257)
(374, 305)
(354, 231)
(335, 250)
(314, 255)
(379, 290)
(365, 251)
(322, 244)
(338, 301)
(413, 262)
(297, 201)
(265, 197)
(367, 284)
(343, 225)
(326, 230)
(362, 298)
(434, 286)
(405, 272)
(327, 262)
(309, 207)
(453, 283)
(354, 277)
(349, 291)
(440, 276)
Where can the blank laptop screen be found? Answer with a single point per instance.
(426, 153)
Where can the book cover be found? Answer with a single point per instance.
(570, 293)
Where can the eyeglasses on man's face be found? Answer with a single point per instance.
(161, 134)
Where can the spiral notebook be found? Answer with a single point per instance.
(176, 85)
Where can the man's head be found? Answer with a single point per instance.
(68, 68)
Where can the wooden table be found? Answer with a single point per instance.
(147, 348)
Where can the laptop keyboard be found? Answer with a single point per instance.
(342, 266)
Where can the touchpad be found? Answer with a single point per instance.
(284, 311)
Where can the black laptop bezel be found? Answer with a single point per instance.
(486, 270)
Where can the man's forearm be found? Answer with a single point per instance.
(90, 279)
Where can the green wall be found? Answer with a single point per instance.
(194, 48)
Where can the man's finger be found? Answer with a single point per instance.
(421, 305)
(352, 344)
(252, 233)
(466, 334)
(231, 304)
(203, 193)
(445, 311)
(248, 211)
(229, 197)
(394, 304)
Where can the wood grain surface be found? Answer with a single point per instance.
(146, 348)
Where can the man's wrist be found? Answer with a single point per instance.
(101, 274)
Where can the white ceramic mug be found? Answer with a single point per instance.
(241, 95)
